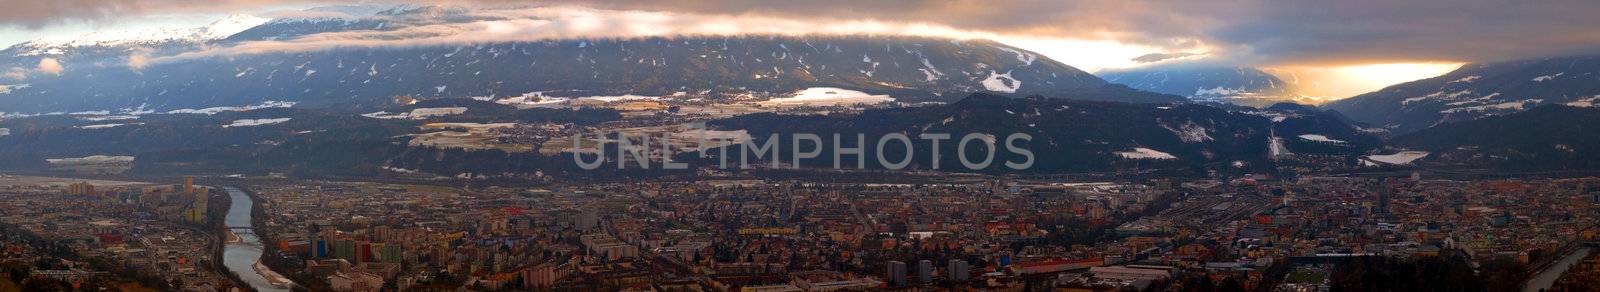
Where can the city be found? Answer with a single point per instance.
(777, 235)
(776, 146)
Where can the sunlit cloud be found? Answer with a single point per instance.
(138, 60)
(1088, 55)
(1340, 40)
(16, 73)
(571, 22)
(1379, 74)
(1272, 32)
(50, 65)
(1341, 81)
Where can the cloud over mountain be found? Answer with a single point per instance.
(1251, 31)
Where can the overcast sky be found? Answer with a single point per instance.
(1415, 38)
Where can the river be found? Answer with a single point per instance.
(243, 255)
(1548, 276)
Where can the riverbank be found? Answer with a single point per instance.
(272, 276)
(220, 224)
(1547, 277)
(258, 217)
(243, 257)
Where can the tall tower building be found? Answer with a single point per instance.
(1383, 198)
(958, 270)
(925, 271)
(896, 273)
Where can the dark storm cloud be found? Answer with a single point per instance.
(1158, 57)
(1467, 30)
(1150, 22)
(1248, 31)
(1254, 31)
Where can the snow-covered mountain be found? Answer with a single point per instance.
(216, 30)
(1550, 137)
(710, 67)
(1476, 91)
(1097, 135)
(1237, 85)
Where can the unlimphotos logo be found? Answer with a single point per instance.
(893, 151)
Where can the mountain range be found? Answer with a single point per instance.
(1068, 136)
(1205, 83)
(1077, 136)
(1550, 137)
(111, 77)
(1477, 91)
(360, 110)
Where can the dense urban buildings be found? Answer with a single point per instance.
(788, 235)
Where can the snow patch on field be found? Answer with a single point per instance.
(625, 97)
(531, 99)
(1275, 148)
(1026, 58)
(4, 89)
(931, 72)
(1001, 82)
(216, 110)
(255, 122)
(1145, 153)
(422, 113)
(474, 137)
(109, 118)
(538, 99)
(1219, 90)
(467, 126)
(1547, 77)
(1510, 105)
(1435, 95)
(1587, 102)
(94, 159)
(1189, 132)
(827, 96)
(1320, 138)
(103, 164)
(1402, 158)
(1479, 100)
(928, 76)
(438, 111)
(1465, 79)
(399, 170)
(387, 116)
(101, 126)
(418, 114)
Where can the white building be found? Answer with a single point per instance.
(1126, 274)
(357, 281)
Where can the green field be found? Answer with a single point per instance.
(1306, 277)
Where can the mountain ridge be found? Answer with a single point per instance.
(1238, 85)
(1476, 91)
(364, 78)
(1542, 138)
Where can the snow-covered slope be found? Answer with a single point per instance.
(63, 45)
(1477, 91)
(1237, 85)
(906, 68)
